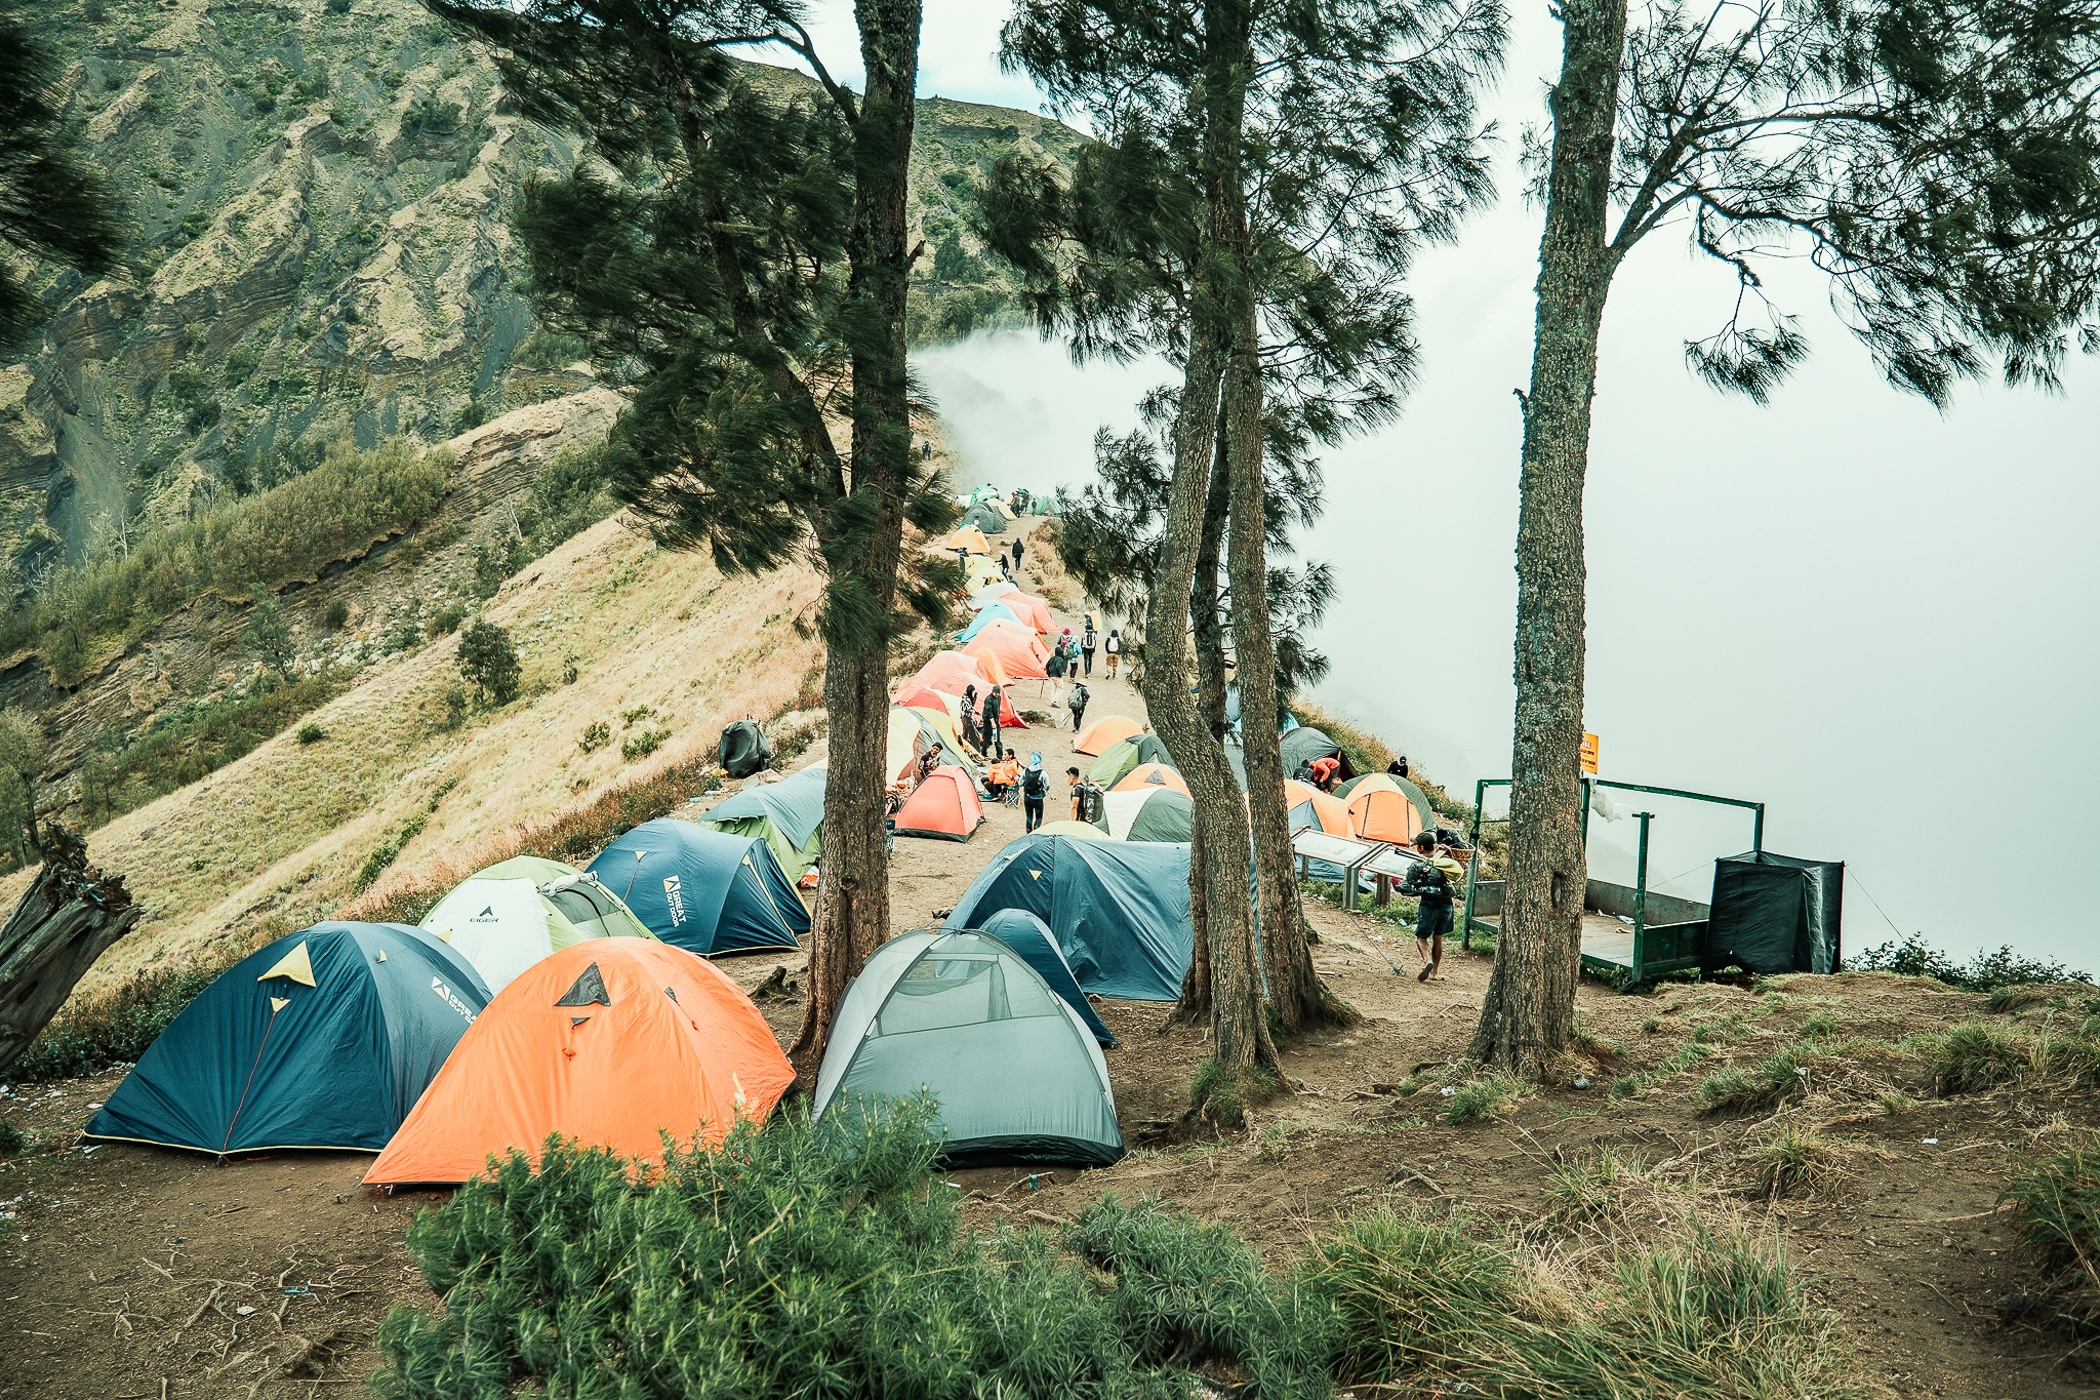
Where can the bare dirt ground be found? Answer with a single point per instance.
(128, 1273)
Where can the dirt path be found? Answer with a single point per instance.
(128, 1273)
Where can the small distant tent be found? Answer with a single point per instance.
(943, 726)
(1151, 814)
(920, 697)
(992, 593)
(504, 919)
(615, 1044)
(1017, 1072)
(1014, 649)
(324, 1038)
(1385, 808)
(1033, 611)
(997, 612)
(954, 672)
(980, 570)
(1104, 733)
(985, 518)
(1774, 913)
(1309, 808)
(1031, 938)
(788, 816)
(1305, 745)
(1119, 758)
(703, 889)
(964, 540)
(944, 807)
(1152, 777)
(913, 733)
(1119, 912)
(744, 750)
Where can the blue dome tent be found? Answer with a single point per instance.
(705, 890)
(324, 1038)
(1119, 911)
(1031, 938)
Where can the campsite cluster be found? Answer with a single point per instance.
(539, 999)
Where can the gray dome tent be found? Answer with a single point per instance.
(961, 1015)
(983, 517)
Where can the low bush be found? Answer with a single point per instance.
(2057, 1219)
(1755, 1090)
(1490, 1097)
(1983, 972)
(812, 1258)
(310, 733)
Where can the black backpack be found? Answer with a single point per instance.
(1092, 807)
(1033, 783)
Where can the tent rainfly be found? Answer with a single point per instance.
(787, 815)
(1774, 913)
(1150, 814)
(1104, 733)
(703, 889)
(616, 1043)
(944, 807)
(1119, 911)
(1031, 938)
(324, 1038)
(509, 916)
(743, 749)
(1017, 1072)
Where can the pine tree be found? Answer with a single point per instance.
(740, 256)
(1939, 159)
(1274, 245)
(52, 205)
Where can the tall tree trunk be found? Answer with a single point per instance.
(864, 538)
(1301, 1001)
(1529, 1012)
(1208, 630)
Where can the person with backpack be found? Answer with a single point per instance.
(1114, 647)
(1055, 666)
(1035, 786)
(1432, 881)
(1088, 640)
(1019, 550)
(1076, 703)
(991, 743)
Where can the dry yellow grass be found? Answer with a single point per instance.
(274, 840)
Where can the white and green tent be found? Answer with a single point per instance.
(504, 919)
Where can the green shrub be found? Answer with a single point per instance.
(1490, 1097)
(311, 733)
(641, 745)
(1976, 1055)
(1983, 972)
(812, 1258)
(11, 1140)
(445, 621)
(2057, 1220)
(384, 853)
(93, 1034)
(488, 664)
(596, 735)
(1402, 1292)
(1213, 1099)
(1756, 1090)
(337, 615)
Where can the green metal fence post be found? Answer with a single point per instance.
(1465, 936)
(1640, 899)
(1757, 830)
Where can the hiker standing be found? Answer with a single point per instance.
(1398, 767)
(1018, 552)
(1076, 702)
(1072, 788)
(1035, 786)
(1430, 882)
(1088, 639)
(1114, 647)
(991, 743)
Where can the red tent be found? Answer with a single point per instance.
(944, 807)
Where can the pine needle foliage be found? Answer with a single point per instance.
(816, 1258)
(2057, 1220)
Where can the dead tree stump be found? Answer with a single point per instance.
(67, 918)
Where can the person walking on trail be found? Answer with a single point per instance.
(991, 743)
(1114, 647)
(1076, 703)
(1088, 640)
(1433, 882)
(1019, 550)
(1035, 786)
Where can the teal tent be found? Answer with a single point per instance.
(986, 616)
(1304, 745)
(1031, 938)
(787, 815)
(1119, 911)
(706, 890)
(962, 1016)
(324, 1038)
(983, 517)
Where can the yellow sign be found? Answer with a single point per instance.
(1589, 754)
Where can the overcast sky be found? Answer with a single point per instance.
(1882, 622)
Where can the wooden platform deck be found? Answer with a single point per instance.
(1604, 938)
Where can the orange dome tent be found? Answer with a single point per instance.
(1151, 775)
(1381, 811)
(952, 672)
(612, 1042)
(1011, 649)
(1103, 733)
(1310, 807)
(944, 807)
(1031, 610)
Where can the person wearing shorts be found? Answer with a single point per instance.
(1431, 882)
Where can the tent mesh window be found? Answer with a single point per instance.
(948, 989)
